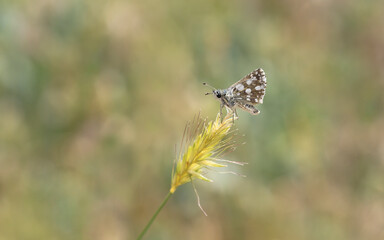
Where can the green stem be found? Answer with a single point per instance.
(154, 216)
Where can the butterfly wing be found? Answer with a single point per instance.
(251, 88)
(248, 108)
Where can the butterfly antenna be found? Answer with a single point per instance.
(206, 84)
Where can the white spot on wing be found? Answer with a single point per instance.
(249, 81)
(248, 90)
(240, 87)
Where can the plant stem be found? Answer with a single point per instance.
(154, 216)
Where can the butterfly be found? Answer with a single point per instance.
(244, 94)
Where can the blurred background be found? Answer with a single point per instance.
(94, 95)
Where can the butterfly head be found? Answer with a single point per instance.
(217, 93)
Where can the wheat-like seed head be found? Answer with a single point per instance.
(203, 145)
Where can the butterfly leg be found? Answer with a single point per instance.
(221, 111)
(234, 115)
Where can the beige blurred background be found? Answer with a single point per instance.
(94, 95)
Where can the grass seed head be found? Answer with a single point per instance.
(203, 144)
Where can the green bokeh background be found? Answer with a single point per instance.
(95, 94)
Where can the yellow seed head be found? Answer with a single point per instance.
(203, 145)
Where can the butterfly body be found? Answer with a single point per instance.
(245, 93)
(226, 97)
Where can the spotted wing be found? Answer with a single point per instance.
(248, 108)
(250, 88)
